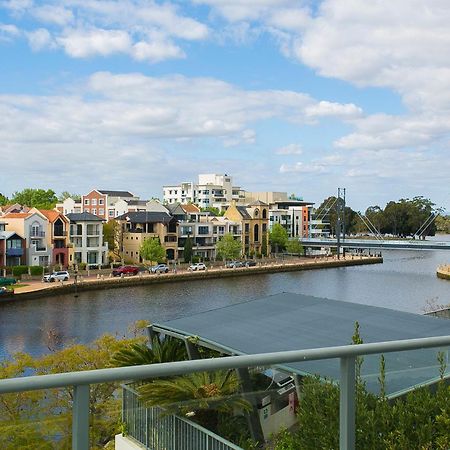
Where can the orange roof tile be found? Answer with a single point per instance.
(51, 214)
(190, 208)
(16, 215)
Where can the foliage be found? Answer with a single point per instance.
(263, 245)
(138, 353)
(294, 246)
(37, 198)
(214, 211)
(442, 224)
(228, 247)
(152, 250)
(187, 249)
(36, 271)
(17, 271)
(328, 208)
(3, 200)
(278, 237)
(113, 235)
(41, 419)
(64, 195)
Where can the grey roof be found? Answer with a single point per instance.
(294, 322)
(8, 234)
(137, 202)
(258, 203)
(116, 193)
(175, 208)
(244, 212)
(146, 217)
(83, 217)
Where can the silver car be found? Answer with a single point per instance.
(196, 266)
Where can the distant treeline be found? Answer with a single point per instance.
(401, 218)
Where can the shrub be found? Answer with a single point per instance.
(19, 270)
(36, 270)
(195, 259)
(82, 266)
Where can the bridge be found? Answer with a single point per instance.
(376, 244)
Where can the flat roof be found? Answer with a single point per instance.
(289, 321)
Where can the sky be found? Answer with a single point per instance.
(299, 96)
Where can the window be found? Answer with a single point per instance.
(111, 213)
(256, 233)
(101, 201)
(264, 213)
(14, 243)
(94, 202)
(101, 211)
(256, 212)
(264, 227)
(203, 230)
(247, 228)
(94, 211)
(86, 201)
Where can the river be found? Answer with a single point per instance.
(405, 281)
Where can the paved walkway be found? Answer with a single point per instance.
(38, 285)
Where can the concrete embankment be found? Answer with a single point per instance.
(443, 272)
(46, 290)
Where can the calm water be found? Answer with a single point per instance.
(405, 281)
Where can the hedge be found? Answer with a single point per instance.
(19, 270)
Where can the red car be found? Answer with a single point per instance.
(125, 270)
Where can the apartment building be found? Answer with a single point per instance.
(33, 227)
(86, 236)
(254, 220)
(210, 190)
(137, 226)
(293, 215)
(12, 248)
(102, 203)
(69, 206)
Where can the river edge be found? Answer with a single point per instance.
(117, 283)
(443, 272)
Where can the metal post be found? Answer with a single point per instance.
(347, 404)
(80, 417)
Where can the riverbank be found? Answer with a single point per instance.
(443, 272)
(39, 289)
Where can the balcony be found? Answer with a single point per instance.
(36, 233)
(14, 252)
(145, 424)
(59, 233)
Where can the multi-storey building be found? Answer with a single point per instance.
(137, 226)
(69, 206)
(57, 237)
(102, 203)
(254, 219)
(12, 248)
(293, 215)
(33, 226)
(211, 190)
(86, 236)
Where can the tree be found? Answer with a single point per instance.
(187, 249)
(264, 244)
(65, 194)
(36, 198)
(278, 237)
(294, 246)
(152, 250)
(113, 235)
(228, 247)
(3, 200)
(28, 419)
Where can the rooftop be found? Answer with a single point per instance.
(116, 193)
(146, 217)
(83, 217)
(296, 322)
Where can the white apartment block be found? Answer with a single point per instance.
(211, 190)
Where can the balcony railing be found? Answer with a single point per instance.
(347, 355)
(58, 233)
(14, 252)
(34, 233)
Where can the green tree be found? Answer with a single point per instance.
(328, 210)
(187, 249)
(152, 250)
(3, 200)
(294, 246)
(36, 198)
(264, 244)
(228, 247)
(65, 194)
(113, 235)
(278, 237)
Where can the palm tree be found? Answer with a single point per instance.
(167, 350)
(202, 395)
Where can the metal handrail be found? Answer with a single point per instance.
(347, 354)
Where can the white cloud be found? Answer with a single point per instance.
(40, 39)
(156, 51)
(8, 32)
(80, 43)
(291, 149)
(53, 14)
(305, 168)
(330, 109)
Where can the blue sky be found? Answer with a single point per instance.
(297, 96)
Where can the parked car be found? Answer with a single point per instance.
(61, 275)
(125, 270)
(234, 264)
(196, 266)
(250, 263)
(7, 281)
(159, 268)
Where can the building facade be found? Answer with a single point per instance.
(86, 237)
(12, 248)
(102, 203)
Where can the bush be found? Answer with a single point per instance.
(82, 266)
(19, 270)
(36, 270)
(195, 259)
